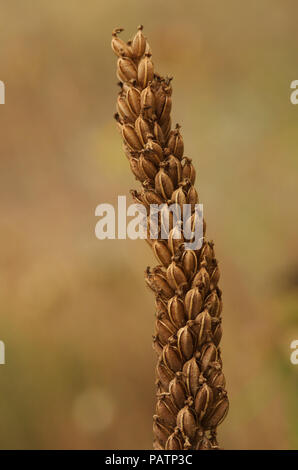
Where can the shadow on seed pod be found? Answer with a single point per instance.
(217, 415)
(145, 72)
(119, 46)
(186, 342)
(164, 375)
(208, 355)
(193, 303)
(191, 373)
(175, 143)
(175, 276)
(166, 128)
(212, 304)
(204, 444)
(164, 329)
(130, 137)
(188, 170)
(177, 391)
(126, 69)
(158, 133)
(138, 44)
(163, 184)
(166, 411)
(176, 240)
(203, 401)
(176, 311)
(175, 441)
(186, 422)
(172, 358)
(190, 263)
(160, 430)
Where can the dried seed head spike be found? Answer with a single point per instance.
(138, 44)
(190, 382)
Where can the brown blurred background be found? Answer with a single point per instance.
(75, 316)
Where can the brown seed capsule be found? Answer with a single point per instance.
(203, 400)
(157, 446)
(158, 133)
(186, 342)
(202, 280)
(164, 329)
(134, 165)
(188, 170)
(166, 411)
(166, 110)
(189, 263)
(148, 101)
(175, 276)
(130, 137)
(124, 110)
(175, 441)
(145, 71)
(176, 240)
(147, 167)
(193, 303)
(178, 197)
(175, 143)
(155, 148)
(161, 306)
(208, 355)
(172, 357)
(204, 444)
(216, 377)
(166, 128)
(207, 252)
(161, 285)
(191, 373)
(212, 304)
(217, 415)
(162, 252)
(138, 44)
(176, 311)
(202, 327)
(164, 375)
(174, 169)
(133, 99)
(119, 46)
(142, 129)
(151, 197)
(160, 430)
(186, 422)
(177, 391)
(126, 69)
(217, 334)
(163, 184)
(192, 197)
(166, 221)
(214, 278)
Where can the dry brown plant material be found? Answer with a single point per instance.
(191, 396)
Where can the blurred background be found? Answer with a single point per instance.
(75, 315)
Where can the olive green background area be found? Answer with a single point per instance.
(75, 315)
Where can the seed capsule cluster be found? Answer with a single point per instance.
(191, 396)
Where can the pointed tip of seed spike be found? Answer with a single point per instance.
(140, 27)
(117, 31)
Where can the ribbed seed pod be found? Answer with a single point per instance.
(138, 45)
(191, 396)
(126, 70)
(175, 143)
(193, 303)
(145, 72)
(176, 311)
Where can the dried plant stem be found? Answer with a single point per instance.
(191, 396)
